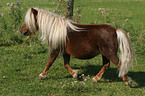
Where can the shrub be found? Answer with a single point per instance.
(10, 24)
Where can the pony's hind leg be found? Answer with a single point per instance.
(66, 58)
(52, 58)
(106, 64)
(117, 62)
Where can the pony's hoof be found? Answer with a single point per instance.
(41, 76)
(129, 82)
(96, 79)
(75, 75)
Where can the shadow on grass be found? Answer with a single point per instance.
(139, 78)
(111, 75)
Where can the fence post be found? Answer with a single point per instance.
(70, 9)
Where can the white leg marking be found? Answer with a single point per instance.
(129, 81)
(96, 79)
(75, 75)
(41, 76)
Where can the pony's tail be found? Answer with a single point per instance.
(126, 52)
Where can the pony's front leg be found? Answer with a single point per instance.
(66, 58)
(106, 64)
(52, 58)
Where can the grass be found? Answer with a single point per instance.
(23, 60)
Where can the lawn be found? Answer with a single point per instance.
(22, 59)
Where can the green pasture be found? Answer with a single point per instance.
(22, 59)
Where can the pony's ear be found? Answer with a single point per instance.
(34, 11)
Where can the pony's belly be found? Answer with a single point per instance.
(86, 56)
(83, 54)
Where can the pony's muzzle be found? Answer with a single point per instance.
(25, 33)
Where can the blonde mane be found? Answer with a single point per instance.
(52, 27)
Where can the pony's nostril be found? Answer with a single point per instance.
(25, 33)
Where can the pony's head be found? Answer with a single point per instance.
(30, 25)
(52, 27)
(25, 30)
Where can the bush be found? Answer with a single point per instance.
(10, 25)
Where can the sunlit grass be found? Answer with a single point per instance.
(21, 63)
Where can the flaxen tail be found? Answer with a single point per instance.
(126, 52)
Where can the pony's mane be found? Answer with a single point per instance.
(52, 27)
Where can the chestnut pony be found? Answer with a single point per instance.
(81, 41)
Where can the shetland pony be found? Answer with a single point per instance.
(82, 41)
